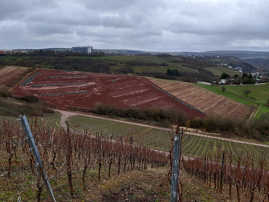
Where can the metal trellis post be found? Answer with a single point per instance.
(175, 168)
(38, 160)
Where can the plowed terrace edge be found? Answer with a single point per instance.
(10, 75)
(84, 91)
(209, 103)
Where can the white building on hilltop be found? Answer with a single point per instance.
(87, 50)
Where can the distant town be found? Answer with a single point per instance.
(86, 50)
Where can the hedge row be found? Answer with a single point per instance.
(164, 117)
(257, 129)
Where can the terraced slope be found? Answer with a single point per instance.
(83, 91)
(204, 100)
(10, 75)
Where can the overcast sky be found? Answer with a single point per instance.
(158, 25)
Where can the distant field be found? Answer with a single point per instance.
(157, 139)
(258, 96)
(156, 69)
(204, 100)
(141, 59)
(145, 64)
(217, 71)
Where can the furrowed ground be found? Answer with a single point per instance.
(85, 91)
(11, 75)
(204, 100)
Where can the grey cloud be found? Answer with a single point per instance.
(17, 9)
(184, 25)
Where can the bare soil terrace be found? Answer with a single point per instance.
(206, 101)
(11, 74)
(81, 90)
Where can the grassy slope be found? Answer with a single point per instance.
(138, 64)
(157, 139)
(52, 120)
(10, 109)
(150, 64)
(149, 185)
(151, 137)
(258, 96)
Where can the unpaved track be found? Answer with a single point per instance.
(67, 114)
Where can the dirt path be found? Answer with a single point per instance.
(64, 116)
(67, 114)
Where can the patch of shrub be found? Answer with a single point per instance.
(195, 123)
(4, 92)
(30, 99)
(156, 115)
(29, 109)
(267, 102)
(265, 116)
(124, 70)
(213, 124)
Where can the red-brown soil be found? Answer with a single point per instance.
(81, 90)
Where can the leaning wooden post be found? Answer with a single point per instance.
(38, 160)
(175, 167)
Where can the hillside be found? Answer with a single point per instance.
(134, 183)
(239, 53)
(218, 71)
(191, 69)
(206, 101)
(124, 172)
(258, 59)
(258, 95)
(10, 75)
(259, 62)
(86, 91)
(160, 138)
